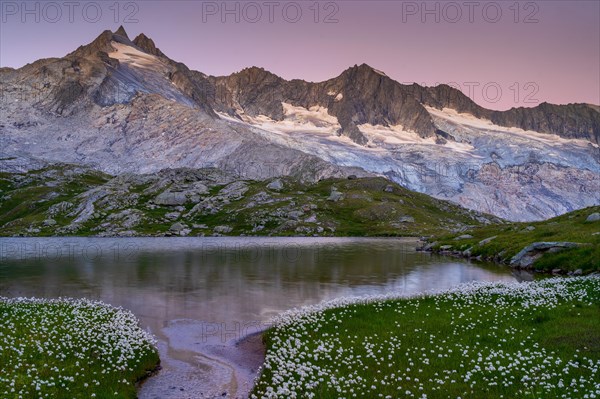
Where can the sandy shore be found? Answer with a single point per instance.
(192, 369)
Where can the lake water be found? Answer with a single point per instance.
(200, 296)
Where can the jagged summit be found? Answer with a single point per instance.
(146, 44)
(126, 107)
(364, 95)
(254, 70)
(121, 32)
(102, 44)
(363, 69)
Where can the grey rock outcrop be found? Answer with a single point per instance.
(143, 113)
(487, 240)
(526, 257)
(335, 195)
(464, 237)
(594, 217)
(171, 198)
(223, 229)
(275, 185)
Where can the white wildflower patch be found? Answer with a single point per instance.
(476, 340)
(70, 348)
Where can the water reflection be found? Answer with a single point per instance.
(224, 279)
(198, 293)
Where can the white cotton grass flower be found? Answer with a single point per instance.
(70, 348)
(312, 351)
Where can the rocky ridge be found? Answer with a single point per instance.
(73, 200)
(122, 106)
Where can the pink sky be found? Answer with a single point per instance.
(547, 51)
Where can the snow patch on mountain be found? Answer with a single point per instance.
(485, 125)
(390, 136)
(134, 57)
(511, 146)
(513, 174)
(314, 120)
(139, 72)
(338, 96)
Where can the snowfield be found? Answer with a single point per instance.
(483, 168)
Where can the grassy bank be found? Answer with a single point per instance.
(71, 348)
(501, 242)
(530, 340)
(65, 200)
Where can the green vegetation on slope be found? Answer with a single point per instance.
(530, 340)
(503, 242)
(71, 348)
(66, 200)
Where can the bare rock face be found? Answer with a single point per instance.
(577, 121)
(171, 198)
(531, 253)
(594, 217)
(574, 121)
(125, 108)
(335, 195)
(362, 95)
(275, 185)
(147, 44)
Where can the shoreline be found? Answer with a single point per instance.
(216, 369)
(427, 247)
(341, 328)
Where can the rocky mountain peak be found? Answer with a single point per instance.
(99, 44)
(102, 44)
(146, 44)
(257, 75)
(362, 70)
(254, 71)
(121, 32)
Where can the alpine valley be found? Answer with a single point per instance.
(116, 138)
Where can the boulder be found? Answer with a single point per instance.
(234, 191)
(49, 222)
(199, 188)
(128, 218)
(295, 215)
(487, 240)
(173, 215)
(464, 237)
(531, 253)
(389, 188)
(335, 196)
(177, 227)
(594, 217)
(275, 185)
(61, 207)
(428, 246)
(169, 198)
(406, 219)
(223, 229)
(311, 219)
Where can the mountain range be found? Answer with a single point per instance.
(122, 106)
